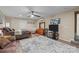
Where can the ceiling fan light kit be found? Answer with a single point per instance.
(32, 16)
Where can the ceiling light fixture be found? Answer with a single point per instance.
(32, 16)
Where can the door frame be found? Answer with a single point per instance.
(75, 32)
(42, 23)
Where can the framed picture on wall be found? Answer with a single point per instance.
(55, 21)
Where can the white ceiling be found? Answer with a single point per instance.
(45, 11)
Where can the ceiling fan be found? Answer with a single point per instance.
(34, 15)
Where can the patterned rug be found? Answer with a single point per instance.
(41, 44)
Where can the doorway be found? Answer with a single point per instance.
(42, 25)
(77, 26)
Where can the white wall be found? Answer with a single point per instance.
(66, 27)
(21, 24)
(18, 24)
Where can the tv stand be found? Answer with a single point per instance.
(53, 35)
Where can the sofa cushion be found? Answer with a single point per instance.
(25, 34)
(11, 38)
(10, 48)
(3, 42)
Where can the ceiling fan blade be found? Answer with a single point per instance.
(36, 15)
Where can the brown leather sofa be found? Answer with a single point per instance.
(11, 46)
(25, 34)
(8, 31)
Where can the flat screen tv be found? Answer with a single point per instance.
(53, 28)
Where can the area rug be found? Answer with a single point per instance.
(42, 44)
